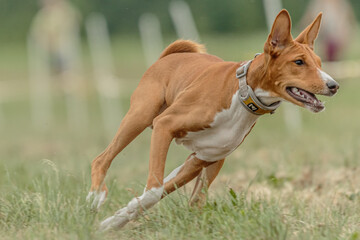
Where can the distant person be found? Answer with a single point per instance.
(55, 31)
(54, 53)
(337, 26)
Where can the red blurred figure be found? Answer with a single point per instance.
(337, 26)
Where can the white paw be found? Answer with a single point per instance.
(119, 220)
(132, 210)
(96, 199)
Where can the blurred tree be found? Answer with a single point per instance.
(15, 18)
(226, 16)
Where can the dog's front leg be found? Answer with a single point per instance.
(160, 142)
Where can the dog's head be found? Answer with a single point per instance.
(292, 69)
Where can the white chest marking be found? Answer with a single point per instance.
(225, 134)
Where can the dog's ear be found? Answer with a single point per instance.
(280, 35)
(310, 33)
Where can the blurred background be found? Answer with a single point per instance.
(68, 68)
(67, 71)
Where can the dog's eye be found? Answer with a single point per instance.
(299, 62)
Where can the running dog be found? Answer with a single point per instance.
(210, 106)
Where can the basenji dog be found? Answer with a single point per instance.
(210, 106)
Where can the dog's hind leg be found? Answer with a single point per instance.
(177, 178)
(185, 173)
(146, 103)
(203, 181)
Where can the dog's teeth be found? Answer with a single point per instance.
(295, 90)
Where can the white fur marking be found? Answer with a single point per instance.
(131, 211)
(98, 198)
(89, 196)
(325, 77)
(265, 97)
(225, 134)
(173, 174)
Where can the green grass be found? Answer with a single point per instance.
(279, 184)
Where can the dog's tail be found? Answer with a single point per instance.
(183, 46)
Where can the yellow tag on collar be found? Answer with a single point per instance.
(254, 108)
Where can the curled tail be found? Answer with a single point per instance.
(183, 46)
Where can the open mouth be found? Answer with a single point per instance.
(307, 98)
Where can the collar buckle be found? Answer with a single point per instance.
(242, 71)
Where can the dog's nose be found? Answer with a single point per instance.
(333, 86)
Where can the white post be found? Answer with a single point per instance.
(1, 112)
(107, 84)
(183, 20)
(292, 114)
(74, 84)
(40, 86)
(151, 37)
(272, 8)
(343, 69)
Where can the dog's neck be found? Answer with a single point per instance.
(256, 76)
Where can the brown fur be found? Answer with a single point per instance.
(184, 90)
(183, 46)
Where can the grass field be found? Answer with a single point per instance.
(279, 184)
